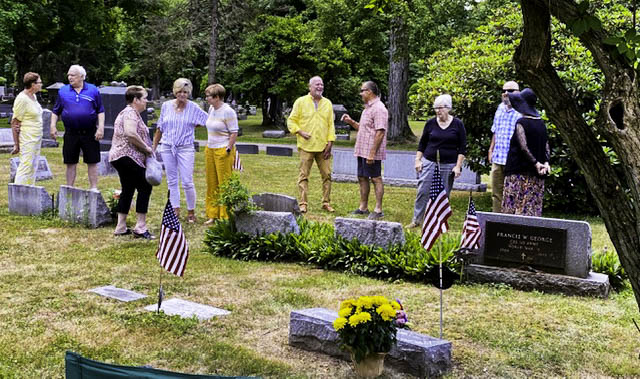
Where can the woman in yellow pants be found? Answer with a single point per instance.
(222, 130)
(27, 129)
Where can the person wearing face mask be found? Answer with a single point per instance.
(504, 123)
(443, 135)
(175, 134)
(311, 120)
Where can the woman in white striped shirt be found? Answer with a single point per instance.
(176, 134)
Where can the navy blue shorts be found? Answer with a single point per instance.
(373, 170)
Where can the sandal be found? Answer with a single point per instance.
(125, 233)
(145, 235)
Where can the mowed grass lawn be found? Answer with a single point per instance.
(48, 266)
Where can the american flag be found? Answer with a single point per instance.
(173, 251)
(237, 164)
(471, 230)
(437, 213)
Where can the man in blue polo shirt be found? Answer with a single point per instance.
(80, 106)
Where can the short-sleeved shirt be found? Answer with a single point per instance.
(450, 141)
(504, 123)
(317, 121)
(79, 111)
(27, 111)
(221, 124)
(178, 128)
(374, 117)
(120, 145)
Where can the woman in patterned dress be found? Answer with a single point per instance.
(527, 160)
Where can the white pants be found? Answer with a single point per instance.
(178, 162)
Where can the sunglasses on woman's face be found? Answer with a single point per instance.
(509, 90)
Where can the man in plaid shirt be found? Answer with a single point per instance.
(504, 123)
(370, 148)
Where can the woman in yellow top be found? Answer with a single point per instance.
(27, 129)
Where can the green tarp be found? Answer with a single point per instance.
(78, 367)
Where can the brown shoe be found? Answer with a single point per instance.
(328, 208)
(303, 208)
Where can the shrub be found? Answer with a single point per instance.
(317, 245)
(607, 262)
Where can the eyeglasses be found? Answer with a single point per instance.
(40, 82)
(510, 90)
(364, 89)
(437, 108)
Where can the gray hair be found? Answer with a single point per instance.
(79, 70)
(182, 84)
(443, 100)
(372, 86)
(315, 77)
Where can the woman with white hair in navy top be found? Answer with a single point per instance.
(446, 135)
(176, 134)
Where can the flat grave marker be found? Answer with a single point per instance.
(188, 309)
(114, 292)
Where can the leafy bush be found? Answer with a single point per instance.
(235, 196)
(317, 245)
(607, 262)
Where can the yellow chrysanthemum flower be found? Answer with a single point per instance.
(339, 323)
(345, 312)
(365, 302)
(386, 311)
(379, 300)
(349, 303)
(395, 305)
(359, 318)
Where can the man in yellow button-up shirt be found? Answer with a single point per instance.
(312, 121)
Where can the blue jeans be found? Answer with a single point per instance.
(424, 185)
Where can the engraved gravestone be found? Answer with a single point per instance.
(513, 245)
(537, 253)
(43, 172)
(552, 245)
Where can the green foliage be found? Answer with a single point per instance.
(607, 262)
(316, 244)
(235, 196)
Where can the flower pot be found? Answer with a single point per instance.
(370, 367)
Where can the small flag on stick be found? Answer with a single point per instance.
(471, 230)
(237, 164)
(173, 250)
(437, 213)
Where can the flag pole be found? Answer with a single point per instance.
(440, 257)
(160, 292)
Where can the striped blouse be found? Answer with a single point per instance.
(178, 128)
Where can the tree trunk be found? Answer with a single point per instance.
(213, 47)
(275, 112)
(399, 130)
(617, 120)
(266, 117)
